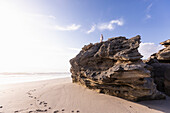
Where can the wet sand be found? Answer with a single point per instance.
(62, 96)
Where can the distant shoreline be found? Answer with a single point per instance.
(32, 73)
(12, 78)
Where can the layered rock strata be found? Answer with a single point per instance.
(161, 67)
(114, 67)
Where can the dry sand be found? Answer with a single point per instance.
(62, 96)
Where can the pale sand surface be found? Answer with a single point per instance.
(61, 94)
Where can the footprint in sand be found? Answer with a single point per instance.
(40, 110)
(45, 104)
(29, 93)
(40, 103)
(31, 96)
(56, 111)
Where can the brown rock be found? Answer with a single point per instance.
(164, 54)
(166, 43)
(114, 67)
(161, 67)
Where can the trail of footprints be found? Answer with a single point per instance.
(45, 105)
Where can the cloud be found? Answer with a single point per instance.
(93, 27)
(72, 27)
(74, 49)
(111, 25)
(147, 49)
(148, 16)
(43, 16)
(52, 17)
(149, 7)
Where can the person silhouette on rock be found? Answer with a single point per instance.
(101, 38)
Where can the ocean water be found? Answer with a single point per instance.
(20, 78)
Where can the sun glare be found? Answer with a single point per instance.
(21, 40)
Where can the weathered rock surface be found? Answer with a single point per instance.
(164, 54)
(114, 67)
(161, 67)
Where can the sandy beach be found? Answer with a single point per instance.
(62, 96)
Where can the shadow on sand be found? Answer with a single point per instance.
(161, 105)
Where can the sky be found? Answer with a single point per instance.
(43, 35)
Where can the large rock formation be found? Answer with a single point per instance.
(161, 67)
(114, 67)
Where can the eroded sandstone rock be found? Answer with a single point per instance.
(161, 67)
(114, 67)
